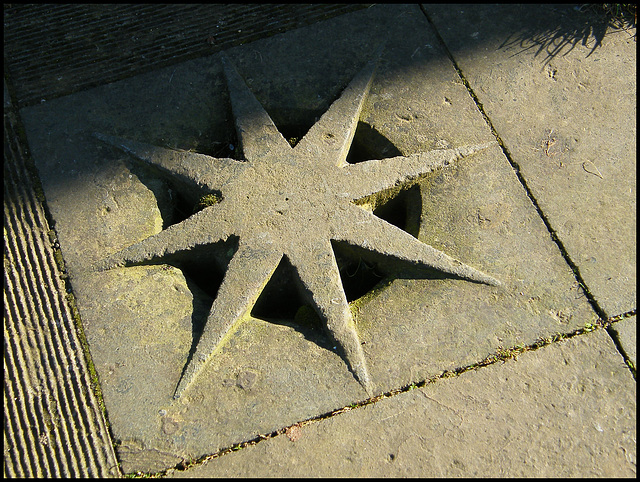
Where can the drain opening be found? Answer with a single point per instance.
(369, 144)
(403, 210)
(280, 299)
(359, 276)
(293, 133)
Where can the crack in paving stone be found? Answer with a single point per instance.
(516, 168)
(288, 204)
(292, 431)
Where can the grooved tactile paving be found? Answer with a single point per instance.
(53, 426)
(53, 50)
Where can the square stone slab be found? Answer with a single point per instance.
(141, 321)
(533, 417)
(562, 96)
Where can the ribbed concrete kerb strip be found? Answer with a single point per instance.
(53, 424)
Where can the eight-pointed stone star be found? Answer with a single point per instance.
(284, 201)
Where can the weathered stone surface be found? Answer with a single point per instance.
(270, 374)
(565, 107)
(137, 361)
(132, 454)
(286, 202)
(565, 410)
(627, 334)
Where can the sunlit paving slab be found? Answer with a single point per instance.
(626, 331)
(263, 236)
(559, 86)
(530, 417)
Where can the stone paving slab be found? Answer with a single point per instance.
(140, 320)
(564, 410)
(626, 330)
(565, 108)
(53, 421)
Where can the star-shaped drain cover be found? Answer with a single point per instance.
(291, 202)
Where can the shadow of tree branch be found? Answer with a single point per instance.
(565, 30)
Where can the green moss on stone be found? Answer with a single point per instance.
(206, 201)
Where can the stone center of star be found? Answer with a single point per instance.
(285, 190)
